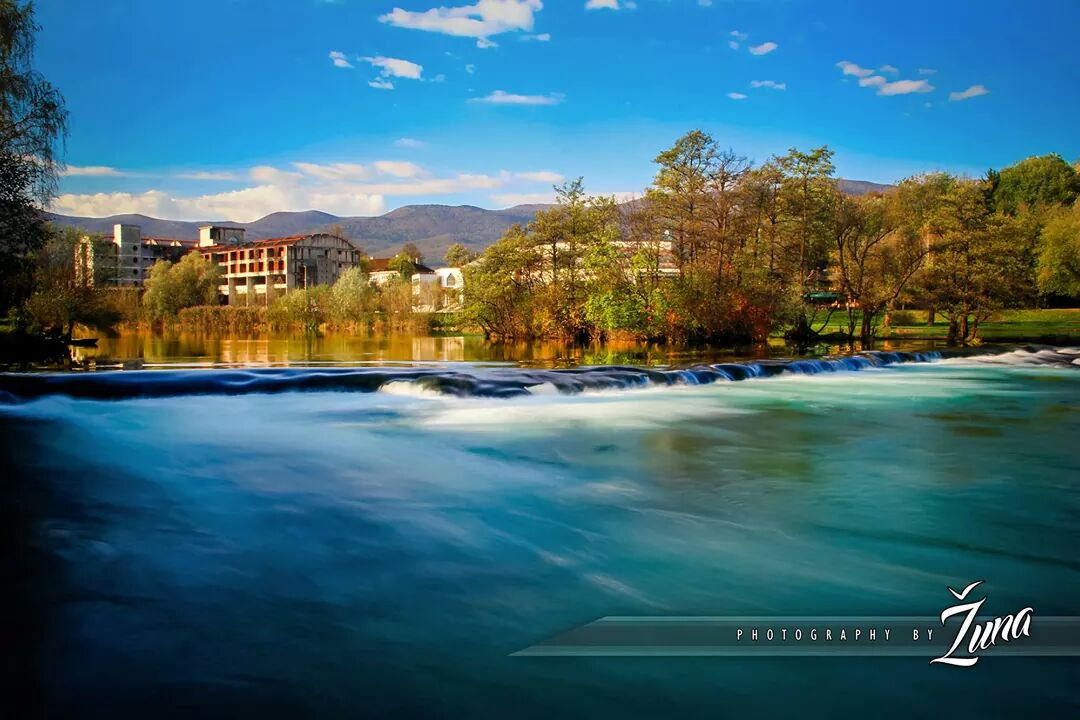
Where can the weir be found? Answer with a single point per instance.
(466, 382)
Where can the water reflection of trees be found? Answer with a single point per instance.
(145, 348)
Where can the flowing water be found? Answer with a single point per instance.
(342, 542)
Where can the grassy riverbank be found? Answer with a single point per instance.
(1004, 326)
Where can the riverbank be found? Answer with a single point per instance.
(1036, 325)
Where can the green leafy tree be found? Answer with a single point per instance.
(1035, 183)
(1059, 253)
(61, 298)
(353, 298)
(500, 287)
(878, 252)
(33, 122)
(457, 255)
(404, 264)
(981, 263)
(172, 287)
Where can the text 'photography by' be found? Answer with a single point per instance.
(534, 359)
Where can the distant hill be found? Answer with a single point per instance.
(860, 187)
(432, 228)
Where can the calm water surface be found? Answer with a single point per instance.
(144, 349)
(345, 554)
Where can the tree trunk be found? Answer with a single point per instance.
(954, 330)
(866, 332)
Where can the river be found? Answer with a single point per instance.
(377, 531)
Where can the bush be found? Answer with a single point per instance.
(907, 317)
(224, 318)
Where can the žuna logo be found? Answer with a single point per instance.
(980, 635)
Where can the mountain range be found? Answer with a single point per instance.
(432, 228)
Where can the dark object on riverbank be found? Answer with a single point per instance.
(23, 349)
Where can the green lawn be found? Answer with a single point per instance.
(1005, 325)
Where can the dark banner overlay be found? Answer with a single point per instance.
(814, 637)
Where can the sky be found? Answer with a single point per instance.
(232, 109)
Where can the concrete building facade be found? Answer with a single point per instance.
(124, 258)
(276, 265)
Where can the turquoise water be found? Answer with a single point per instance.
(342, 554)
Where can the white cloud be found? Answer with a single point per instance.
(544, 176)
(740, 36)
(890, 69)
(335, 171)
(381, 84)
(736, 96)
(851, 68)
(733, 45)
(395, 67)
(463, 182)
(339, 60)
(542, 37)
(244, 205)
(764, 48)
(905, 87)
(609, 5)
(271, 175)
(481, 20)
(411, 143)
(927, 71)
(973, 91)
(771, 84)
(339, 188)
(470, 68)
(399, 168)
(91, 171)
(867, 78)
(204, 175)
(704, 3)
(499, 97)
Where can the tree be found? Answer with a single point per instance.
(499, 287)
(172, 287)
(877, 254)
(353, 299)
(981, 261)
(679, 193)
(61, 298)
(1037, 182)
(806, 198)
(410, 250)
(457, 255)
(33, 122)
(1059, 253)
(404, 264)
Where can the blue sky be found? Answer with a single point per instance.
(231, 109)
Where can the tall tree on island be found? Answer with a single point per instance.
(33, 123)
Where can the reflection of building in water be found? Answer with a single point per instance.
(244, 351)
(262, 267)
(125, 257)
(446, 349)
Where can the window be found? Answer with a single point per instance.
(450, 281)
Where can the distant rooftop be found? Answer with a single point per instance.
(383, 265)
